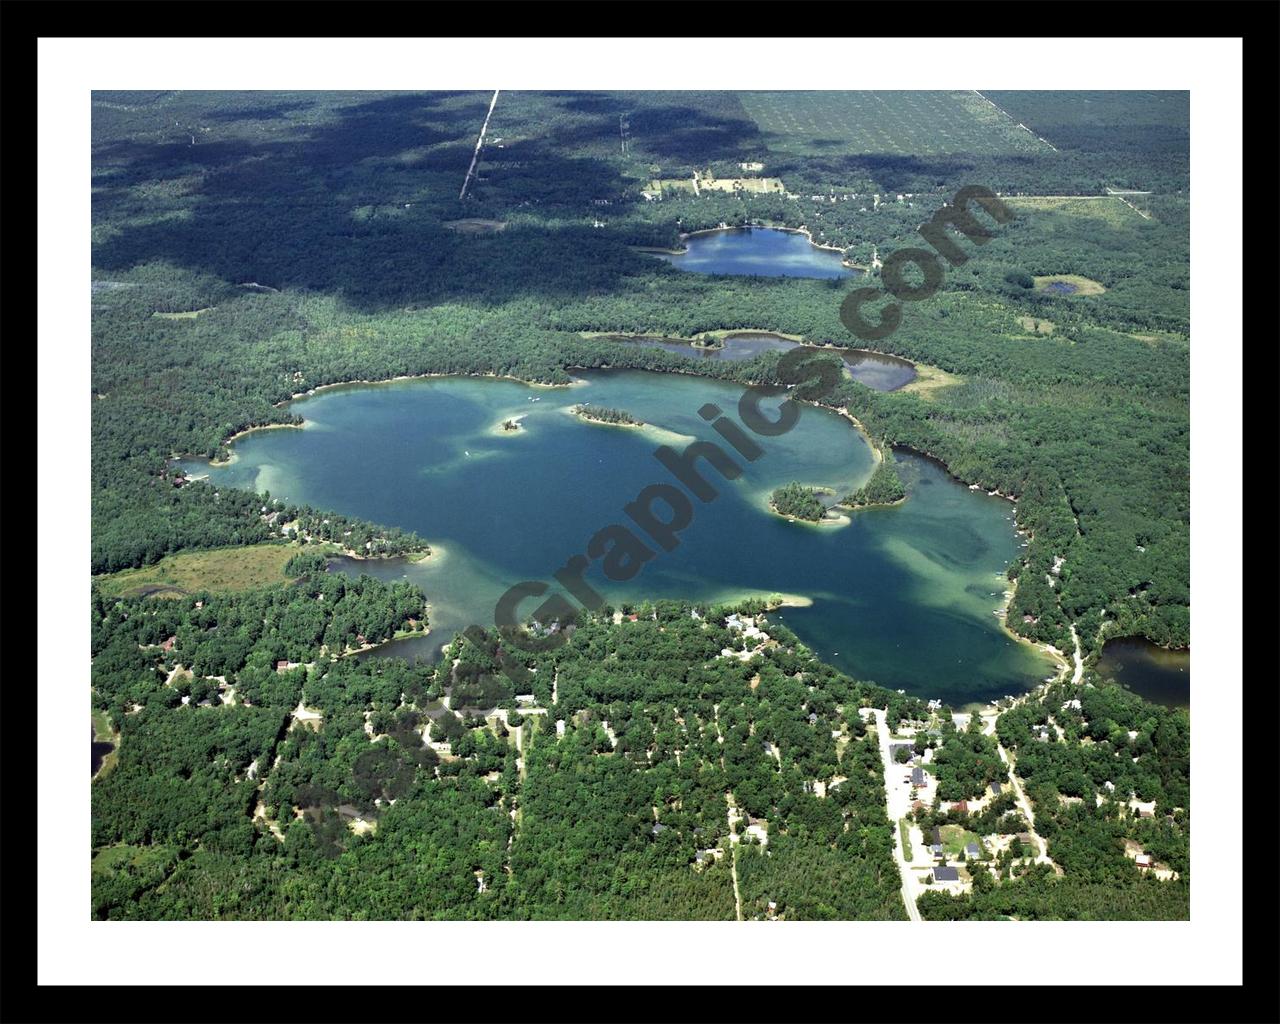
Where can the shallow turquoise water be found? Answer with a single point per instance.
(903, 595)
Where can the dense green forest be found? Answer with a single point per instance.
(629, 796)
(251, 247)
(603, 414)
(884, 487)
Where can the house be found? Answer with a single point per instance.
(972, 850)
(657, 829)
(960, 806)
(943, 873)
(936, 850)
(813, 718)
(1144, 813)
(935, 836)
(168, 644)
(282, 665)
(1027, 840)
(1143, 860)
(917, 777)
(995, 788)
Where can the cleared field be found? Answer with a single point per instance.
(223, 569)
(1068, 284)
(475, 226)
(718, 184)
(930, 379)
(1034, 325)
(1107, 209)
(918, 123)
(189, 315)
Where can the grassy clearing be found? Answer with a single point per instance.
(222, 569)
(1033, 325)
(1082, 285)
(929, 380)
(904, 830)
(1107, 209)
(104, 732)
(954, 839)
(190, 315)
(475, 226)
(141, 858)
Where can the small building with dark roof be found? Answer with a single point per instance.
(996, 788)
(943, 873)
(917, 777)
(972, 850)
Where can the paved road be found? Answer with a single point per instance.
(897, 804)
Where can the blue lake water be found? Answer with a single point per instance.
(765, 252)
(903, 595)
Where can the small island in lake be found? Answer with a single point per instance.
(884, 487)
(799, 502)
(601, 414)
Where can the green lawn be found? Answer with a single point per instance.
(955, 838)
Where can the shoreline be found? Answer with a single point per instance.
(231, 456)
(650, 430)
(784, 600)
(873, 504)
(421, 376)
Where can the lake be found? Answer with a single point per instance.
(876, 370)
(763, 252)
(1152, 672)
(98, 751)
(903, 595)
